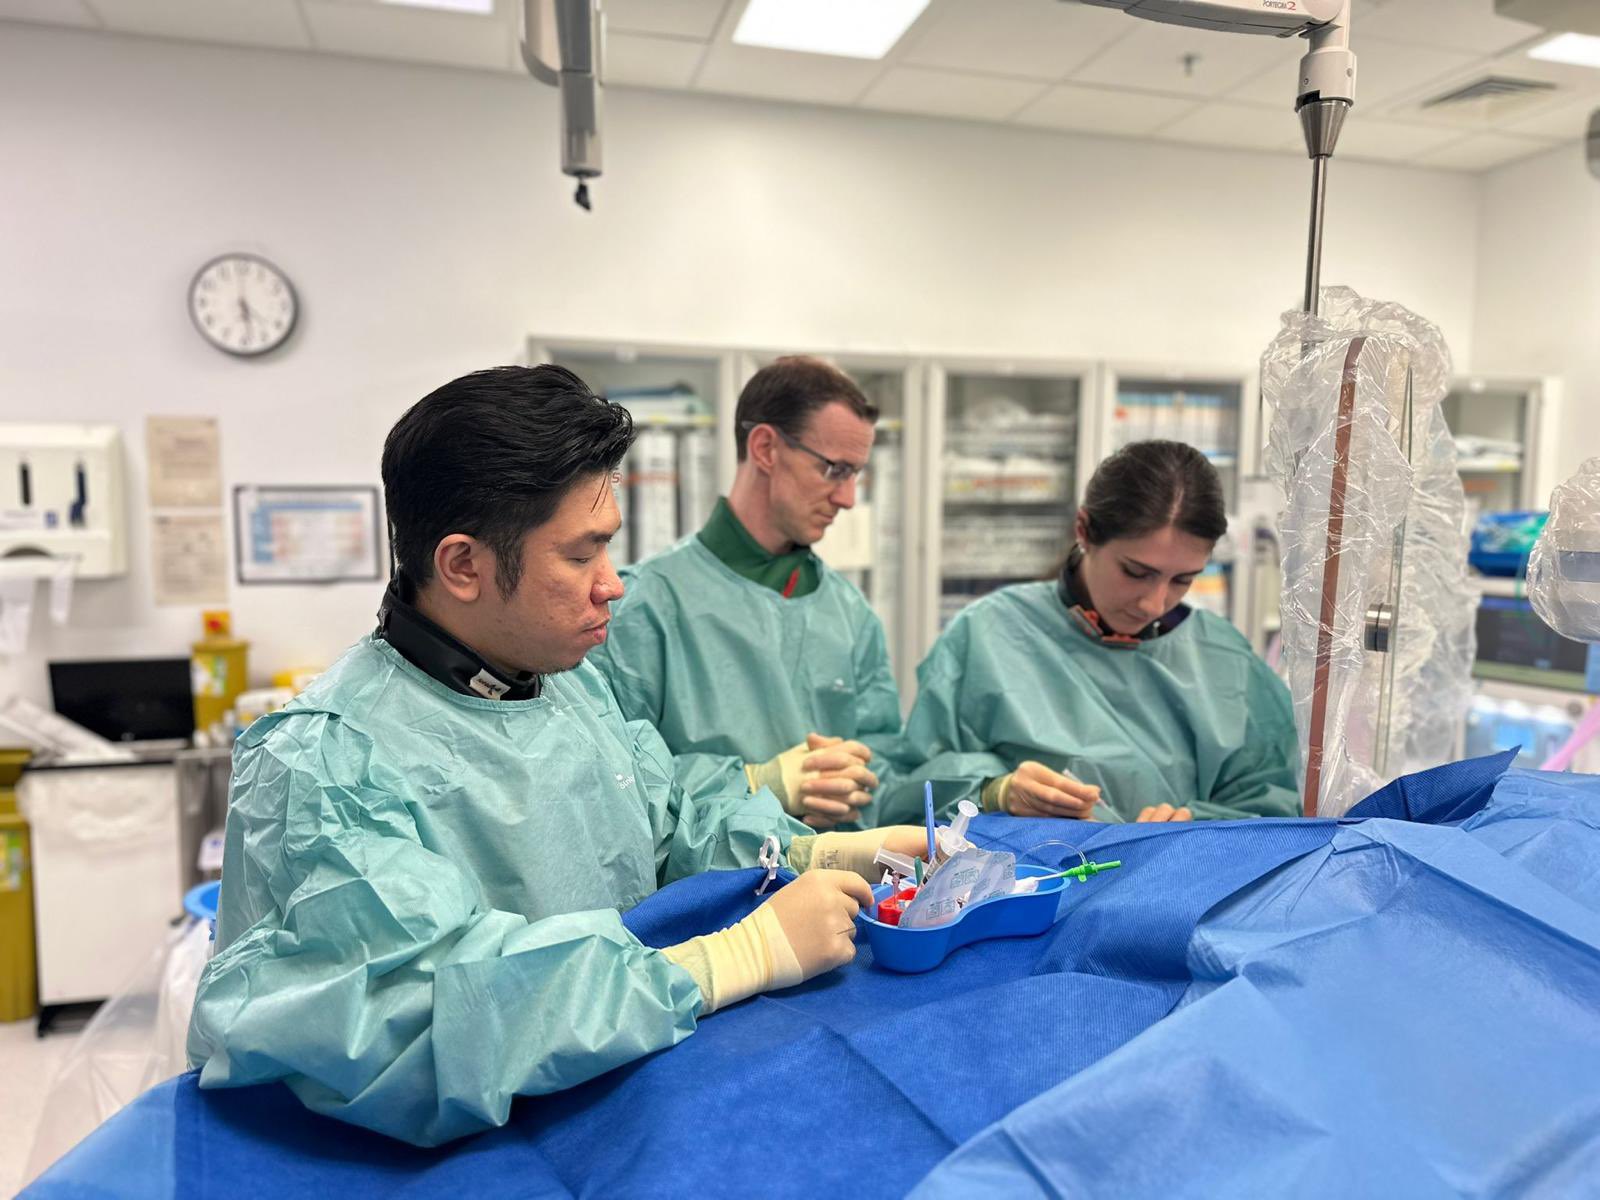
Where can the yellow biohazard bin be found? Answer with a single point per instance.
(19, 996)
(220, 665)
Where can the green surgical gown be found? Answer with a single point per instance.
(724, 666)
(421, 889)
(1189, 718)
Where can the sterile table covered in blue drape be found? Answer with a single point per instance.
(1407, 1004)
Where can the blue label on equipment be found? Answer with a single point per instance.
(1591, 670)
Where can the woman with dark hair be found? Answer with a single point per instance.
(1099, 691)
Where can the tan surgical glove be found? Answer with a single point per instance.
(1034, 790)
(804, 929)
(1163, 812)
(823, 781)
(855, 851)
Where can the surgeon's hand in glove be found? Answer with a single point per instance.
(1163, 812)
(1034, 790)
(804, 929)
(855, 851)
(824, 781)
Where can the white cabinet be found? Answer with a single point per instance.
(1008, 448)
(975, 475)
(1503, 450)
(681, 399)
(107, 876)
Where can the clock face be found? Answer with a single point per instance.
(243, 304)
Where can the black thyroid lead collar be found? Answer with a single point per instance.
(1089, 621)
(431, 650)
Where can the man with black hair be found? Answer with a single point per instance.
(428, 850)
(803, 690)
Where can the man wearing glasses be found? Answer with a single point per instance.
(740, 640)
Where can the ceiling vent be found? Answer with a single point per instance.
(1493, 95)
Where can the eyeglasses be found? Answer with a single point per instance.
(833, 470)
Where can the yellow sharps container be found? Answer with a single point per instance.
(220, 665)
(18, 984)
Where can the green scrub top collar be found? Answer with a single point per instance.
(1087, 620)
(437, 654)
(793, 574)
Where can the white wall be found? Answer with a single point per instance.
(422, 217)
(1538, 301)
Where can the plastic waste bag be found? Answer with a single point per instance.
(970, 877)
(135, 1040)
(1564, 569)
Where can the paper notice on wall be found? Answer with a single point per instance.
(185, 461)
(307, 534)
(189, 559)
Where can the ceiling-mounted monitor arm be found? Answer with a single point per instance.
(561, 46)
(1326, 86)
(1326, 91)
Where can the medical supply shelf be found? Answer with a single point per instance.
(1501, 427)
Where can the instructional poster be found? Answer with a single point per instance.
(189, 555)
(306, 534)
(185, 460)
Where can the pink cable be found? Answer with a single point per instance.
(1587, 728)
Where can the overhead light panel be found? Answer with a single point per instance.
(1576, 49)
(847, 28)
(481, 8)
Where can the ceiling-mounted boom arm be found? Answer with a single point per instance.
(561, 46)
(1325, 87)
(1327, 72)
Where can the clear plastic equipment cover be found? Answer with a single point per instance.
(1374, 516)
(1564, 569)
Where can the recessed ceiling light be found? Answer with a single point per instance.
(1578, 49)
(849, 28)
(482, 8)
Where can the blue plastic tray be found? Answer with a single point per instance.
(912, 950)
(200, 902)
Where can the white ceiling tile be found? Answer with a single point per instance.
(1219, 124)
(48, 12)
(1481, 151)
(1384, 70)
(785, 75)
(406, 33)
(1102, 110)
(1469, 25)
(633, 60)
(951, 94)
(675, 18)
(1567, 122)
(249, 22)
(1389, 141)
(1034, 39)
(1173, 58)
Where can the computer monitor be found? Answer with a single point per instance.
(1515, 645)
(126, 699)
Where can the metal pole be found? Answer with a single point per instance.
(1319, 198)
